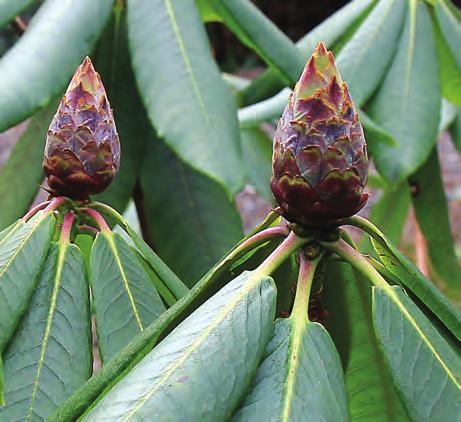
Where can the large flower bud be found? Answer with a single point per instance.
(320, 159)
(82, 152)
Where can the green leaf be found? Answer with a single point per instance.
(112, 60)
(221, 343)
(22, 174)
(10, 9)
(257, 32)
(7, 229)
(257, 152)
(2, 384)
(207, 12)
(187, 101)
(429, 187)
(426, 371)
(186, 211)
(328, 32)
(449, 68)
(300, 375)
(455, 131)
(39, 65)
(450, 25)
(124, 299)
(371, 394)
(390, 213)
(22, 252)
(374, 134)
(364, 60)
(409, 276)
(50, 355)
(448, 114)
(407, 104)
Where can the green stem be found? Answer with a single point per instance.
(290, 245)
(34, 210)
(177, 287)
(303, 289)
(98, 219)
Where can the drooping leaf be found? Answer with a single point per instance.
(448, 114)
(425, 369)
(38, 66)
(407, 104)
(257, 32)
(364, 60)
(22, 173)
(50, 355)
(374, 134)
(9, 9)
(371, 394)
(22, 252)
(186, 99)
(409, 276)
(429, 191)
(390, 213)
(450, 25)
(449, 69)
(186, 211)
(143, 343)
(300, 377)
(112, 60)
(124, 299)
(221, 343)
(328, 32)
(257, 152)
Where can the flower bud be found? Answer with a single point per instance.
(82, 152)
(320, 163)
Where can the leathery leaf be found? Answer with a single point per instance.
(22, 252)
(125, 300)
(220, 344)
(425, 369)
(50, 355)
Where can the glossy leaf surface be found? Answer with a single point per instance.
(50, 355)
(39, 65)
(300, 377)
(187, 101)
(124, 298)
(220, 343)
(424, 367)
(407, 104)
(365, 58)
(22, 252)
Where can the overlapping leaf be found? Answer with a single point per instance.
(221, 344)
(328, 32)
(206, 223)
(425, 369)
(371, 394)
(407, 104)
(429, 184)
(125, 300)
(9, 9)
(365, 58)
(300, 377)
(22, 252)
(39, 65)
(186, 99)
(260, 34)
(50, 355)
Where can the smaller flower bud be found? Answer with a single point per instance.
(82, 152)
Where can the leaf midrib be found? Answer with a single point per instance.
(110, 239)
(49, 321)
(186, 60)
(254, 278)
(22, 244)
